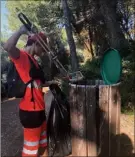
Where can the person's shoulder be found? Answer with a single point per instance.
(22, 56)
(23, 51)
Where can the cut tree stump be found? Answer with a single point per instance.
(95, 118)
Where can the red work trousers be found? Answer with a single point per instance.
(33, 139)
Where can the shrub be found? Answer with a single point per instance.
(91, 69)
(127, 87)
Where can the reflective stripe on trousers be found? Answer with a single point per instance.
(30, 152)
(33, 139)
(27, 143)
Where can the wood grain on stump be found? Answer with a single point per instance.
(95, 118)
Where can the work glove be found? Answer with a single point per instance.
(23, 30)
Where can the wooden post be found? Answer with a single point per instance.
(114, 116)
(91, 120)
(104, 120)
(78, 120)
(89, 109)
(109, 105)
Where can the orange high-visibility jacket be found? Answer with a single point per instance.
(22, 65)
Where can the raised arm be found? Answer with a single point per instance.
(10, 45)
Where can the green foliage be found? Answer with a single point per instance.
(64, 36)
(42, 13)
(128, 110)
(127, 85)
(4, 61)
(91, 69)
(21, 44)
(80, 58)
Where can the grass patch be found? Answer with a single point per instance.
(128, 110)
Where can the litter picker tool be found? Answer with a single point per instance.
(72, 77)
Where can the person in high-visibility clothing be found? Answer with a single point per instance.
(32, 114)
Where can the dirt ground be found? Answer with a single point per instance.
(12, 132)
(127, 138)
(11, 129)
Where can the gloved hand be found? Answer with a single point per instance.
(45, 87)
(23, 30)
(48, 83)
(52, 82)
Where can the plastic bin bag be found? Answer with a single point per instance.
(58, 125)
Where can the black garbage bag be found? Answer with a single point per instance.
(58, 126)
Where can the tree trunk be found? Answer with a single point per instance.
(90, 41)
(117, 38)
(72, 46)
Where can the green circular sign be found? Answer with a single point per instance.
(111, 66)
